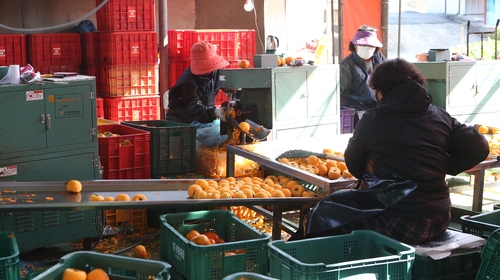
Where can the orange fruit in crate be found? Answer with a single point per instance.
(74, 186)
(333, 173)
(308, 194)
(244, 63)
(286, 192)
(278, 193)
(97, 274)
(346, 174)
(74, 274)
(212, 235)
(192, 234)
(342, 166)
(201, 239)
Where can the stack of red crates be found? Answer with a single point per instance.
(13, 49)
(232, 44)
(54, 52)
(123, 56)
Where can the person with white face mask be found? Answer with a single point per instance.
(356, 68)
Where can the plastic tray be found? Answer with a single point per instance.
(490, 264)
(199, 262)
(9, 256)
(173, 146)
(117, 267)
(481, 224)
(337, 257)
(124, 161)
(458, 266)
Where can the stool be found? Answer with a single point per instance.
(460, 259)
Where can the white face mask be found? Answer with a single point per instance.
(365, 52)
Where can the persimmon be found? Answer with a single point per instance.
(201, 239)
(140, 252)
(244, 63)
(334, 173)
(193, 189)
(97, 274)
(297, 190)
(74, 274)
(96, 197)
(278, 193)
(286, 192)
(122, 197)
(202, 183)
(191, 234)
(212, 235)
(139, 197)
(74, 186)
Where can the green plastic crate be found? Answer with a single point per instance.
(483, 224)
(117, 267)
(9, 256)
(247, 276)
(490, 258)
(362, 253)
(210, 262)
(458, 266)
(496, 206)
(172, 144)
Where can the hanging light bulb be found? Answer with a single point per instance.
(248, 5)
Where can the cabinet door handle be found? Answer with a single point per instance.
(42, 118)
(48, 121)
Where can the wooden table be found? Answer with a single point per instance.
(479, 172)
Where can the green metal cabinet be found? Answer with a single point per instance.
(469, 91)
(294, 102)
(49, 133)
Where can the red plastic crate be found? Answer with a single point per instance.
(90, 47)
(13, 50)
(128, 80)
(135, 108)
(120, 160)
(231, 44)
(126, 15)
(99, 107)
(179, 43)
(54, 49)
(175, 69)
(128, 48)
(93, 70)
(220, 98)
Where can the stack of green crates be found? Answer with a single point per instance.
(117, 267)
(212, 262)
(362, 253)
(172, 145)
(9, 256)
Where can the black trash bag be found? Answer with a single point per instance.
(345, 206)
(85, 26)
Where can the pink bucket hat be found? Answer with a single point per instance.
(204, 59)
(366, 38)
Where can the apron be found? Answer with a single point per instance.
(345, 206)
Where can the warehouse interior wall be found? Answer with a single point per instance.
(182, 14)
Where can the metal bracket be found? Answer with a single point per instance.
(93, 131)
(91, 95)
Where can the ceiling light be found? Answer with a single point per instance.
(248, 5)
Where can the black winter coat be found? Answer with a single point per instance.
(406, 137)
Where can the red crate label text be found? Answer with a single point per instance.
(134, 50)
(132, 13)
(56, 51)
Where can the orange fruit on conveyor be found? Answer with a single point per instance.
(74, 186)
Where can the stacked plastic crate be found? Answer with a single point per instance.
(54, 52)
(13, 49)
(233, 45)
(127, 64)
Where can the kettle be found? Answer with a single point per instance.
(272, 43)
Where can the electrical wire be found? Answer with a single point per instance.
(56, 26)
(257, 25)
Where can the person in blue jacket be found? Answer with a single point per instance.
(356, 68)
(191, 99)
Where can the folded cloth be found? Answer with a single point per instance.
(449, 242)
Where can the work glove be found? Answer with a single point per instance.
(220, 113)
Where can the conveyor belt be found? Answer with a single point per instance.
(52, 196)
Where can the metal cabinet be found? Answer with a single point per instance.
(467, 90)
(294, 102)
(49, 133)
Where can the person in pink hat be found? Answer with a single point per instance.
(191, 99)
(356, 68)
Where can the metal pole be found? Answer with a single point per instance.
(341, 28)
(163, 51)
(385, 25)
(332, 12)
(399, 29)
